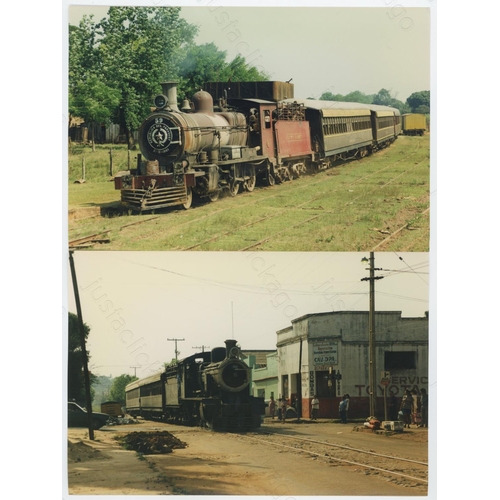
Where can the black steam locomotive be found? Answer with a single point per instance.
(209, 389)
(256, 131)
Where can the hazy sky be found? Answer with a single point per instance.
(323, 49)
(135, 301)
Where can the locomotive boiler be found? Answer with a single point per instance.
(209, 389)
(195, 150)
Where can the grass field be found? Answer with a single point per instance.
(380, 202)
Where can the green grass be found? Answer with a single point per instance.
(97, 163)
(352, 207)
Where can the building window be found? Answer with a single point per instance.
(261, 393)
(400, 360)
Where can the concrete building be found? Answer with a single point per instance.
(327, 354)
(265, 379)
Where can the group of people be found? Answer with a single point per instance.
(343, 407)
(413, 410)
(282, 406)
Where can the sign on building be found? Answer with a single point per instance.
(325, 355)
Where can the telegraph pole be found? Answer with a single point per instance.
(86, 373)
(176, 351)
(371, 336)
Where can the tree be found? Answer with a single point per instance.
(383, 98)
(102, 387)
(358, 96)
(137, 49)
(328, 96)
(420, 102)
(94, 101)
(206, 63)
(76, 381)
(117, 392)
(200, 64)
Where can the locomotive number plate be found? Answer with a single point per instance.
(159, 136)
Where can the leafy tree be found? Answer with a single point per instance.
(383, 98)
(94, 101)
(328, 96)
(138, 49)
(76, 381)
(358, 96)
(418, 99)
(102, 387)
(117, 392)
(206, 63)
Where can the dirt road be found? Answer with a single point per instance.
(230, 464)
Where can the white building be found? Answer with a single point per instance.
(318, 347)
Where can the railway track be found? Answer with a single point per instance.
(300, 206)
(405, 470)
(253, 201)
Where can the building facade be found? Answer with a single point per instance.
(327, 354)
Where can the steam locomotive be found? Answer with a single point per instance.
(210, 389)
(257, 131)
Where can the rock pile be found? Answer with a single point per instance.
(151, 442)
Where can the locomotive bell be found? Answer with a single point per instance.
(186, 107)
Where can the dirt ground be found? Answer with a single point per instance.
(229, 464)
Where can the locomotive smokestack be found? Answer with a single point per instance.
(170, 90)
(231, 349)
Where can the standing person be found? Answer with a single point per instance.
(424, 408)
(392, 406)
(272, 407)
(406, 408)
(315, 407)
(415, 410)
(344, 403)
(284, 405)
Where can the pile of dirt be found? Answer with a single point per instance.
(81, 452)
(151, 442)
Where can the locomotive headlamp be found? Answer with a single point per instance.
(161, 101)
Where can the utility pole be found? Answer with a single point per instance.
(86, 373)
(176, 351)
(371, 336)
(135, 370)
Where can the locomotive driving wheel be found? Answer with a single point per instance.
(270, 180)
(234, 187)
(189, 200)
(250, 183)
(214, 196)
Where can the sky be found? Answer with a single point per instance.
(321, 48)
(135, 302)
